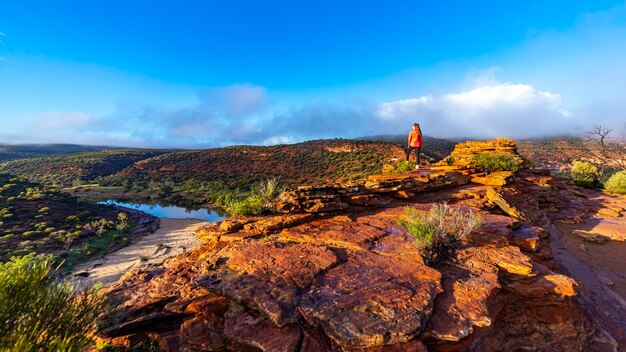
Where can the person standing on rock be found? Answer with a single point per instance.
(414, 143)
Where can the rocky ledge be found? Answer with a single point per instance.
(348, 278)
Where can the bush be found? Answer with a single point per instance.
(261, 200)
(252, 205)
(440, 232)
(38, 313)
(99, 227)
(498, 162)
(585, 174)
(71, 218)
(399, 167)
(122, 224)
(616, 183)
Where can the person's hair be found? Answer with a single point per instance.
(418, 127)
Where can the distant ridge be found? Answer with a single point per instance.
(24, 151)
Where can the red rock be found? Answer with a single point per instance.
(527, 238)
(377, 190)
(342, 301)
(336, 233)
(508, 259)
(493, 196)
(258, 332)
(367, 200)
(267, 276)
(168, 341)
(208, 305)
(312, 342)
(411, 346)
(495, 230)
(544, 285)
(463, 305)
(200, 334)
(609, 212)
(403, 194)
(233, 224)
(542, 180)
(500, 178)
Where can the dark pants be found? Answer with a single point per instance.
(408, 151)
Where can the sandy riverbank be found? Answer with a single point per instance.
(174, 237)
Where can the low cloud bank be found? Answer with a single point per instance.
(242, 114)
(513, 110)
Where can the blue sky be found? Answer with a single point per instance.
(208, 73)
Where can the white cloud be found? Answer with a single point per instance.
(514, 110)
(278, 140)
(397, 109)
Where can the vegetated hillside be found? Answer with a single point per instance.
(436, 148)
(63, 170)
(311, 162)
(37, 219)
(558, 153)
(23, 151)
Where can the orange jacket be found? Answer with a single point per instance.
(415, 138)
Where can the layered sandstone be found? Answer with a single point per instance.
(377, 190)
(464, 153)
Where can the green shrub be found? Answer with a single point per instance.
(71, 218)
(498, 162)
(401, 166)
(40, 314)
(616, 183)
(585, 174)
(252, 205)
(260, 201)
(98, 227)
(27, 234)
(439, 233)
(450, 160)
(122, 224)
(5, 238)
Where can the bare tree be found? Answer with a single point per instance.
(610, 154)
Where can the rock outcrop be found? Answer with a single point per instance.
(376, 191)
(464, 153)
(336, 272)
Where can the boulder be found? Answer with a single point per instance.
(499, 178)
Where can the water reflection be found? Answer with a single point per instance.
(172, 211)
